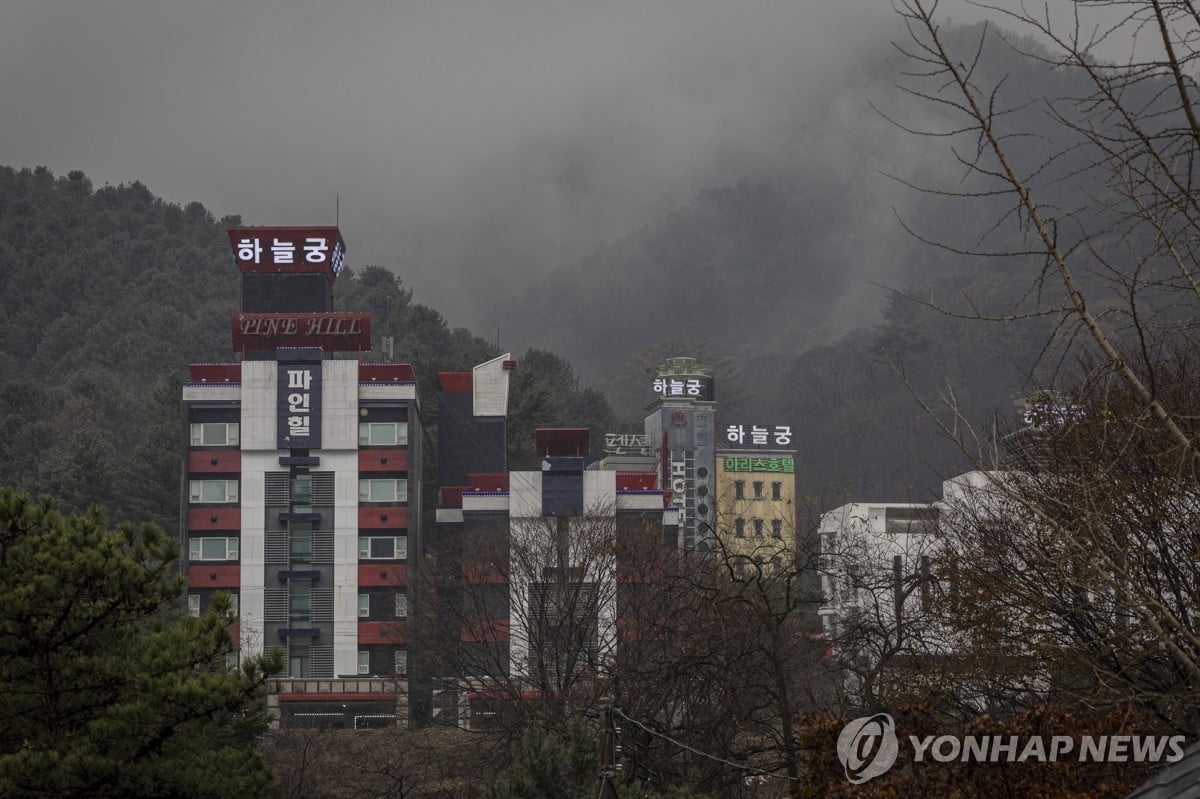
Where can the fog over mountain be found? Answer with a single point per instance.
(612, 182)
(472, 144)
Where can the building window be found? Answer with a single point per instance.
(364, 661)
(364, 606)
(214, 434)
(383, 548)
(213, 490)
(776, 490)
(298, 658)
(739, 489)
(401, 606)
(300, 542)
(387, 490)
(739, 528)
(232, 659)
(758, 528)
(233, 606)
(401, 663)
(758, 489)
(383, 434)
(210, 548)
(777, 528)
(300, 603)
(193, 605)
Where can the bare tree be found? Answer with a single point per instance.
(1082, 562)
(1119, 260)
(727, 654)
(530, 619)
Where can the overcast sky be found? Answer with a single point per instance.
(540, 129)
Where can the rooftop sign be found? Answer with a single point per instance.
(288, 249)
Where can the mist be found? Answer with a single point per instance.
(471, 147)
(464, 140)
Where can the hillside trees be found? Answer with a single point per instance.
(103, 692)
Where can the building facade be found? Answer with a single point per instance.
(304, 487)
(681, 430)
(530, 563)
(756, 508)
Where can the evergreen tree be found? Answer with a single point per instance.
(104, 689)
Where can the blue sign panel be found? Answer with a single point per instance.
(298, 403)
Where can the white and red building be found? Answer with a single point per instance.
(303, 486)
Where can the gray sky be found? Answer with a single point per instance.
(558, 125)
(451, 130)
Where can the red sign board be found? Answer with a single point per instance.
(334, 332)
(288, 249)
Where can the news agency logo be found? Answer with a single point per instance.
(867, 747)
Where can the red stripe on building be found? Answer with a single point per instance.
(200, 519)
(336, 697)
(390, 575)
(229, 461)
(454, 382)
(385, 372)
(214, 576)
(382, 632)
(636, 481)
(488, 482)
(383, 518)
(215, 372)
(383, 460)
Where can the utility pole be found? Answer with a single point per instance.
(608, 751)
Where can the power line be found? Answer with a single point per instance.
(693, 750)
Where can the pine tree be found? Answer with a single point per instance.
(106, 688)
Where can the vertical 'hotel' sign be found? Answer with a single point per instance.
(298, 402)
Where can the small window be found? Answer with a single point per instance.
(213, 490)
(776, 490)
(758, 489)
(383, 434)
(194, 605)
(401, 663)
(383, 548)
(739, 489)
(401, 606)
(212, 548)
(214, 434)
(387, 490)
(364, 605)
(232, 660)
(739, 528)
(777, 528)
(364, 661)
(233, 606)
(758, 528)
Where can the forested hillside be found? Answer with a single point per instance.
(777, 279)
(110, 292)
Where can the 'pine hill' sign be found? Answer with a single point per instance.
(333, 332)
